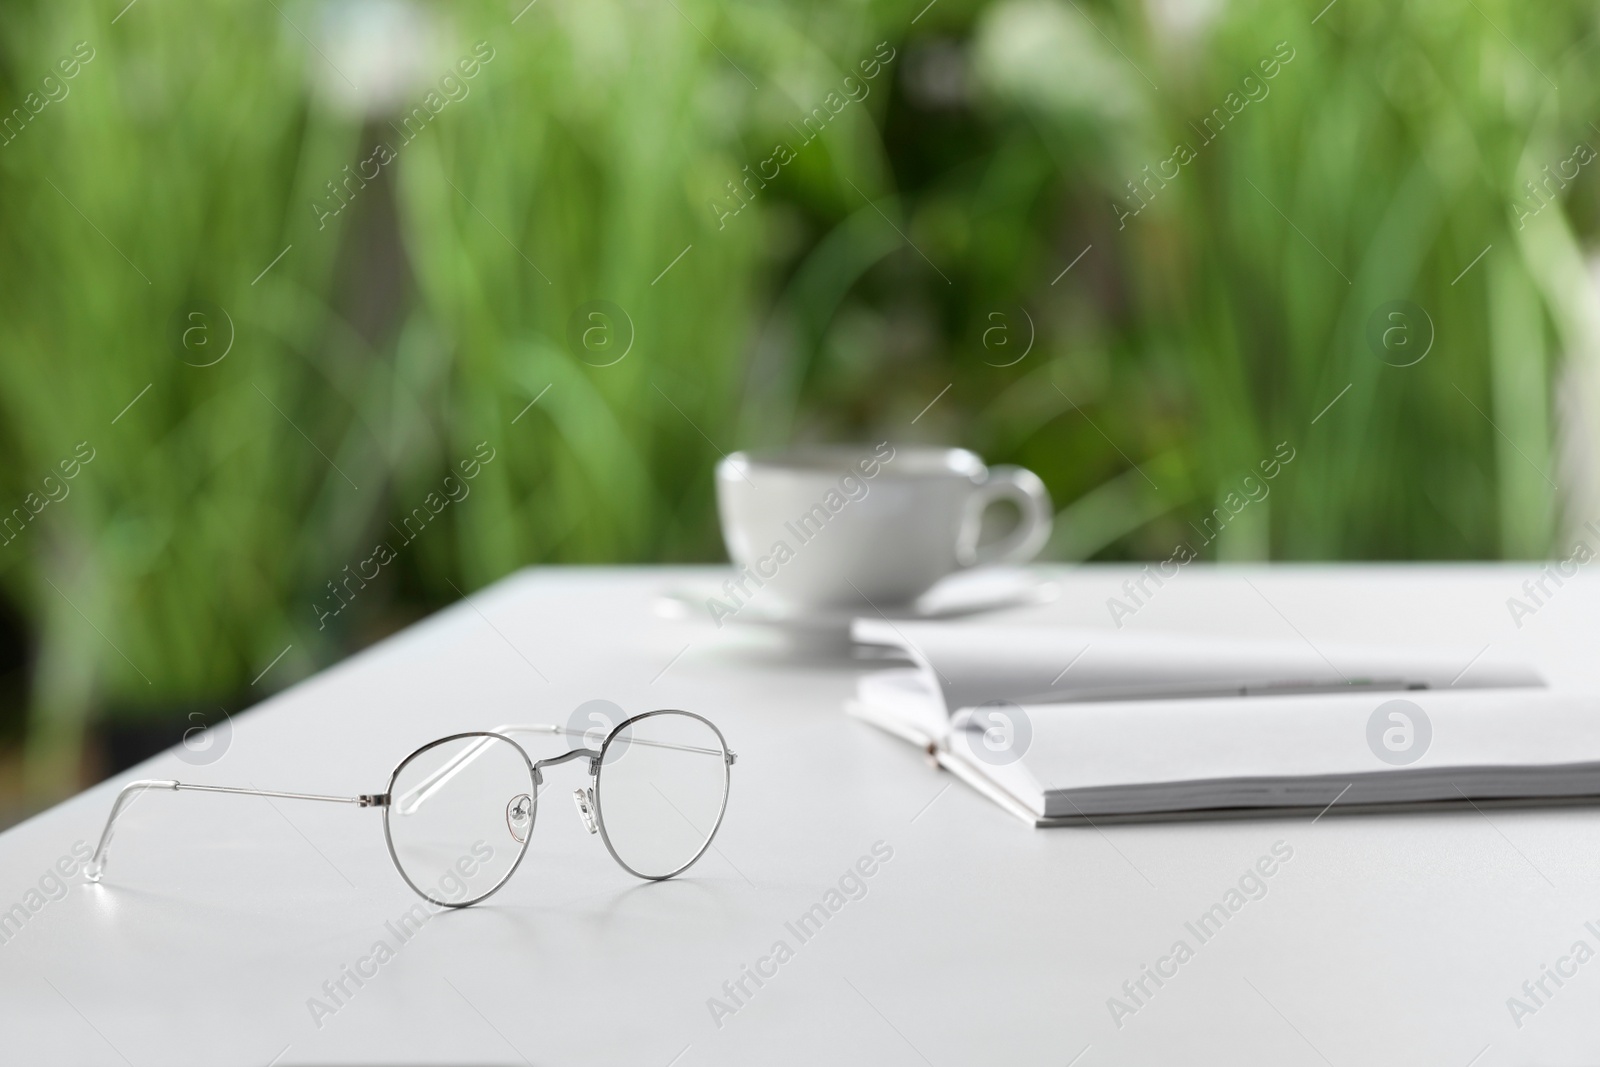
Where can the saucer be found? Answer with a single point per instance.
(964, 593)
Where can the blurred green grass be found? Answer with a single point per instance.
(918, 242)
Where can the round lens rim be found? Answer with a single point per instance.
(388, 837)
(599, 802)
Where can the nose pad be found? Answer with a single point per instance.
(584, 799)
(519, 817)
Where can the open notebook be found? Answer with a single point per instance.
(1070, 727)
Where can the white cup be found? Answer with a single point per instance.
(847, 526)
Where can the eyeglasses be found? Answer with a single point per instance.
(459, 811)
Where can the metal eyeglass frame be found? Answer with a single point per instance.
(590, 807)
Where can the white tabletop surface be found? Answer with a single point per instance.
(1386, 939)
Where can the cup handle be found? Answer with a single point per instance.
(1022, 487)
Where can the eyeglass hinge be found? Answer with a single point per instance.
(732, 758)
(373, 800)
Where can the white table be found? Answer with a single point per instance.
(1393, 939)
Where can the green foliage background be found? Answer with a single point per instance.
(918, 242)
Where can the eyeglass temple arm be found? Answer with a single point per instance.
(409, 801)
(97, 863)
(551, 728)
